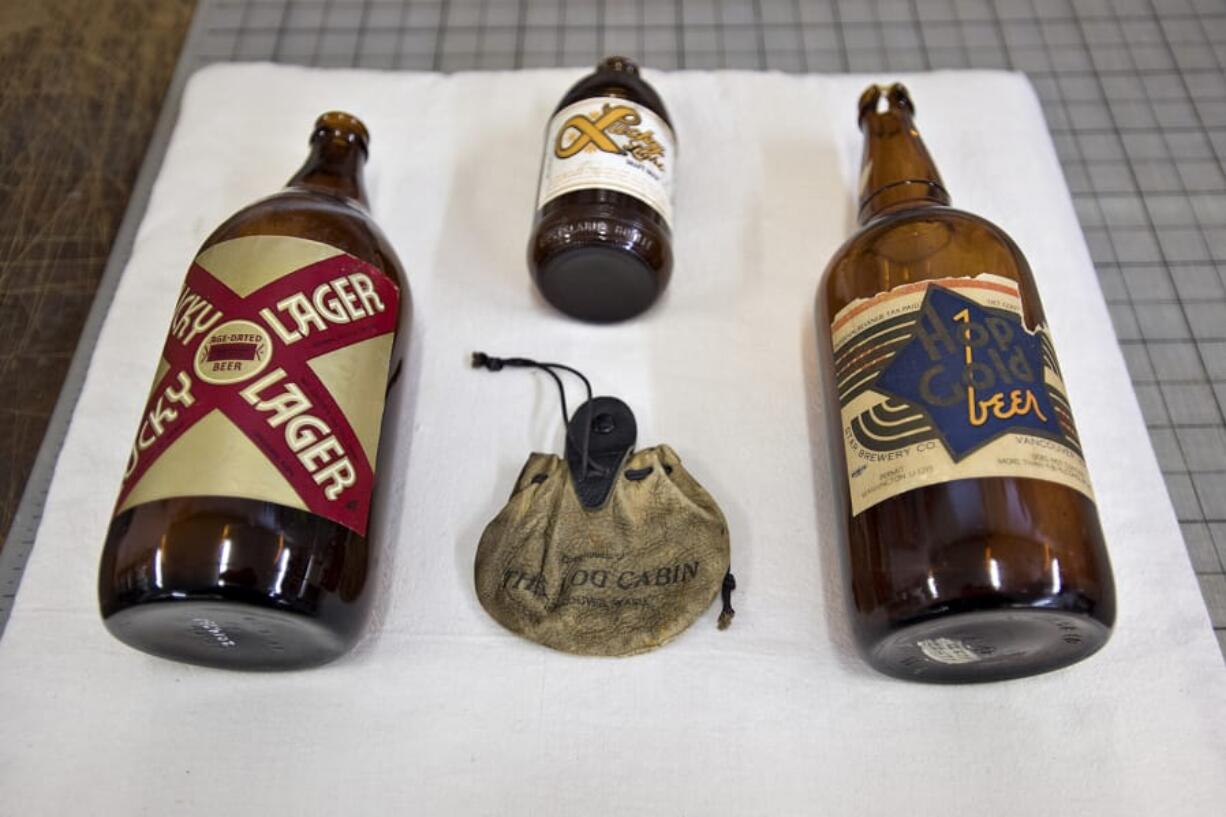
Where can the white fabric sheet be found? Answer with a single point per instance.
(441, 712)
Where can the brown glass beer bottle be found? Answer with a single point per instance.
(973, 543)
(240, 534)
(601, 246)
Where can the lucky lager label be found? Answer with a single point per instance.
(942, 380)
(272, 381)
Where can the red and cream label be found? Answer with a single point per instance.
(272, 381)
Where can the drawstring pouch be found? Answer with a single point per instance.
(605, 551)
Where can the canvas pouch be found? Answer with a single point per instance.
(619, 579)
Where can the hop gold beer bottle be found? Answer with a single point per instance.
(240, 534)
(601, 245)
(972, 541)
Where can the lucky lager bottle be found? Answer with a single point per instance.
(240, 534)
(973, 543)
(601, 246)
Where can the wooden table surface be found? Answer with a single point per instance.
(82, 84)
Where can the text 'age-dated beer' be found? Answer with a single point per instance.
(240, 536)
(601, 246)
(974, 547)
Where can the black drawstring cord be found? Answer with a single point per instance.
(726, 614)
(483, 361)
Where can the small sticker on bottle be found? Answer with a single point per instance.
(613, 144)
(941, 380)
(947, 650)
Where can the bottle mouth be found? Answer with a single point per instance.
(615, 63)
(339, 127)
(896, 99)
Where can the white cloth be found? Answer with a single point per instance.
(441, 712)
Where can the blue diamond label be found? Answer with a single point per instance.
(942, 380)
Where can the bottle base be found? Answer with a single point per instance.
(598, 284)
(226, 635)
(987, 645)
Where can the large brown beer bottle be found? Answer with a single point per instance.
(973, 543)
(601, 246)
(240, 532)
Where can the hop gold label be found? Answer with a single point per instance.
(941, 380)
(613, 144)
(271, 382)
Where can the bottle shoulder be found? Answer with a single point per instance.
(317, 217)
(923, 244)
(627, 87)
(905, 226)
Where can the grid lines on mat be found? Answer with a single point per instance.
(1133, 92)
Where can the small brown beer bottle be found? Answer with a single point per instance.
(601, 246)
(240, 534)
(972, 540)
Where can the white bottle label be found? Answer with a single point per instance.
(613, 144)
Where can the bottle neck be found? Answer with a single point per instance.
(334, 167)
(897, 173)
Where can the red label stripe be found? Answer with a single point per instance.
(287, 375)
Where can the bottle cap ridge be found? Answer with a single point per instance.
(616, 63)
(897, 98)
(339, 126)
